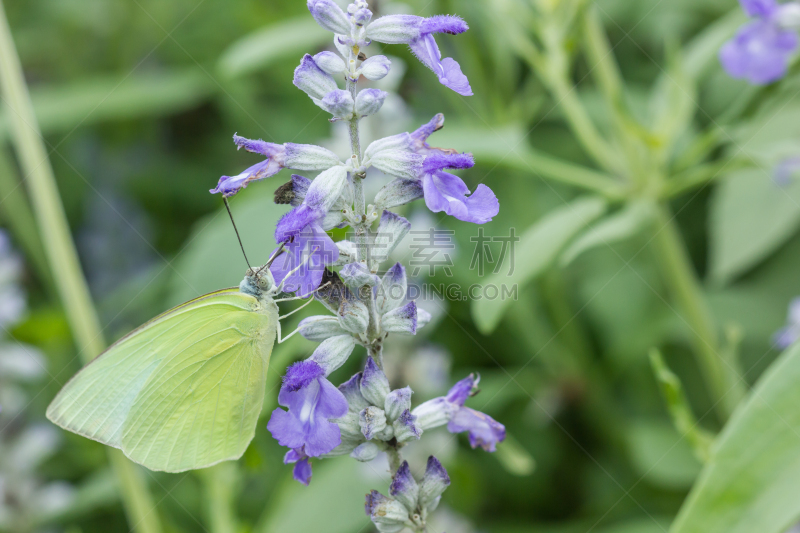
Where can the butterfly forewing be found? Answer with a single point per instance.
(183, 391)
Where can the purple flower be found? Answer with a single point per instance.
(789, 334)
(312, 401)
(279, 156)
(760, 51)
(418, 32)
(785, 170)
(276, 159)
(448, 193)
(483, 430)
(311, 249)
(302, 465)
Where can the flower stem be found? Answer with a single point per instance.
(395, 459)
(678, 272)
(62, 256)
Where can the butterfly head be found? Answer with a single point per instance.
(257, 282)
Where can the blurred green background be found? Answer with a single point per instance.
(138, 100)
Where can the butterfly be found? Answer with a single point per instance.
(185, 390)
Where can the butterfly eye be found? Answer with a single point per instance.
(262, 282)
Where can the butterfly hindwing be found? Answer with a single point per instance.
(184, 391)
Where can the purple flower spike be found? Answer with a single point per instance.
(302, 465)
(761, 50)
(312, 401)
(313, 249)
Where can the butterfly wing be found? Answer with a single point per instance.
(184, 391)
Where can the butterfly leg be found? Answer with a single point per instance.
(281, 338)
(290, 313)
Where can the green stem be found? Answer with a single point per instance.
(395, 459)
(62, 256)
(700, 175)
(220, 487)
(568, 173)
(18, 215)
(682, 282)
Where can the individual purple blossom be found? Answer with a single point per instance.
(789, 334)
(785, 171)
(761, 50)
(276, 159)
(445, 192)
(482, 429)
(312, 402)
(418, 32)
(302, 465)
(311, 249)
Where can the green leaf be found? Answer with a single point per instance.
(535, 252)
(753, 478)
(63, 107)
(750, 217)
(260, 48)
(333, 502)
(620, 226)
(514, 458)
(661, 455)
(673, 103)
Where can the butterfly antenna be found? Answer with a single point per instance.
(278, 252)
(228, 207)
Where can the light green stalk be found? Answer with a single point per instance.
(62, 257)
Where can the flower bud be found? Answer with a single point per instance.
(338, 103)
(392, 290)
(310, 157)
(349, 427)
(362, 16)
(434, 413)
(356, 275)
(319, 328)
(333, 352)
(376, 68)
(433, 484)
(404, 487)
(405, 427)
(366, 451)
(329, 15)
(352, 393)
(397, 401)
(312, 80)
(398, 163)
(398, 192)
(343, 45)
(372, 420)
(329, 62)
(326, 188)
(374, 384)
(395, 29)
(369, 102)
(354, 316)
(389, 516)
(391, 231)
(423, 318)
(401, 320)
(401, 141)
